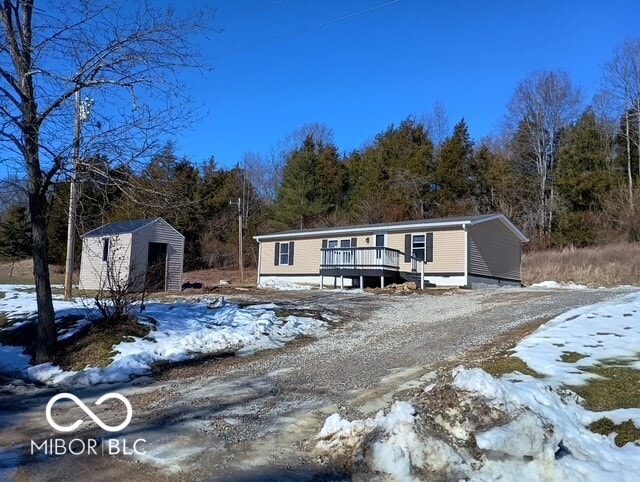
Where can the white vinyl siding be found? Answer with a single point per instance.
(128, 254)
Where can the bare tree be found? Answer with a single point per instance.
(543, 104)
(621, 94)
(127, 57)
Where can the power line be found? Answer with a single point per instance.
(256, 9)
(305, 29)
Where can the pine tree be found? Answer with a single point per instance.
(453, 175)
(308, 189)
(15, 233)
(391, 179)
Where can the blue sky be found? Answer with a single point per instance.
(361, 74)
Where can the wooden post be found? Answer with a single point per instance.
(240, 250)
(73, 202)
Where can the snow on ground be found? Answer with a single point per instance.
(555, 285)
(545, 435)
(184, 330)
(283, 285)
(20, 302)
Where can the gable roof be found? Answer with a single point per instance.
(458, 221)
(119, 227)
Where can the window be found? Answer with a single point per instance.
(284, 253)
(418, 246)
(105, 250)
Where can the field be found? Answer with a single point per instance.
(607, 265)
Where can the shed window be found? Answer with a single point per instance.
(105, 250)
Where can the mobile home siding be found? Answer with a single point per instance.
(448, 251)
(494, 251)
(307, 256)
(93, 271)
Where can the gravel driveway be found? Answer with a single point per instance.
(251, 418)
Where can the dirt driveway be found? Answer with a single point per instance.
(252, 418)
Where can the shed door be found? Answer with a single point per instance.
(157, 267)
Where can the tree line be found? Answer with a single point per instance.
(564, 173)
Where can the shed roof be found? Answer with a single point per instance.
(398, 226)
(119, 227)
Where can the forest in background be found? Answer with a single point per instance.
(566, 172)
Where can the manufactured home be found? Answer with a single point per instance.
(145, 254)
(468, 251)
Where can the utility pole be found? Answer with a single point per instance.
(82, 114)
(240, 248)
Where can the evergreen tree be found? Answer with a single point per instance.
(308, 189)
(392, 179)
(453, 175)
(15, 233)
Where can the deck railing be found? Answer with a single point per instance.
(361, 258)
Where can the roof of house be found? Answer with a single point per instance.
(399, 226)
(119, 227)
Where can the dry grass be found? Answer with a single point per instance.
(212, 277)
(21, 272)
(617, 387)
(610, 265)
(626, 431)
(94, 347)
(502, 365)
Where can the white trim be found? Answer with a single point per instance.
(337, 232)
(466, 255)
(387, 228)
(259, 262)
(506, 222)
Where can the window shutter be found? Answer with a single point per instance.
(290, 252)
(276, 261)
(407, 248)
(324, 244)
(429, 247)
(354, 242)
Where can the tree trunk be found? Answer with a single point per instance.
(47, 338)
(629, 167)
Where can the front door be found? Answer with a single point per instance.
(379, 244)
(157, 267)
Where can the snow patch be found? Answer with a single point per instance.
(283, 285)
(556, 285)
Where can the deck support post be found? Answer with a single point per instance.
(422, 275)
(341, 282)
(361, 282)
(382, 282)
(321, 282)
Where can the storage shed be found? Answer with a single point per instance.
(144, 254)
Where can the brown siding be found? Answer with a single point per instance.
(494, 251)
(448, 250)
